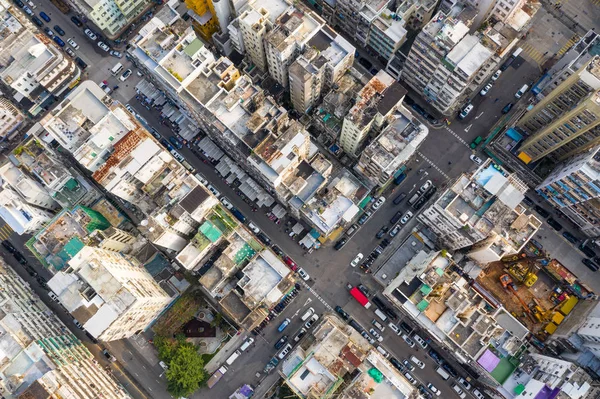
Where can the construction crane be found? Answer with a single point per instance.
(509, 285)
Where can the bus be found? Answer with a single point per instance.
(360, 297)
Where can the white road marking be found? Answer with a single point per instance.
(478, 116)
(308, 300)
(452, 132)
(468, 127)
(434, 165)
(317, 296)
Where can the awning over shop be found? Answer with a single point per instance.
(298, 228)
(278, 211)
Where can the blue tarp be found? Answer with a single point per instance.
(513, 134)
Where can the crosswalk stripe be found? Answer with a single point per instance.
(5, 232)
(457, 136)
(433, 164)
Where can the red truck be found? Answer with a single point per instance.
(359, 296)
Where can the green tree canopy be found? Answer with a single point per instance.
(186, 370)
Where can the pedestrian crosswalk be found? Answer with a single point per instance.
(433, 164)
(533, 53)
(317, 296)
(456, 135)
(5, 232)
(595, 2)
(570, 43)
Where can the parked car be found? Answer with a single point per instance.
(351, 230)
(342, 313)
(125, 75)
(528, 201)
(81, 63)
(410, 378)
(496, 75)
(433, 389)
(303, 274)
(507, 108)
(378, 203)
(174, 140)
(104, 47)
(399, 366)
(367, 337)
(282, 341)
(73, 44)
(465, 383)
(485, 90)
(399, 198)
(44, 16)
(406, 217)
(59, 30)
(48, 32)
(356, 260)
(312, 321)
(465, 111)
(589, 252)
(570, 237)
(425, 186)
(300, 334)
(89, 33)
(340, 244)
(408, 365)
(554, 224)
(377, 336)
(591, 265)
(283, 325)
(395, 231)
(288, 261)
(365, 216)
(409, 341)
(37, 21)
(59, 41)
(543, 213)
(475, 159)
(28, 11)
(382, 231)
(9, 247)
(76, 21)
(117, 54)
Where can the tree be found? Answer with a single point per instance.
(186, 370)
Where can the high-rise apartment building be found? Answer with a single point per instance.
(109, 293)
(254, 25)
(288, 38)
(446, 63)
(478, 206)
(374, 105)
(10, 117)
(112, 16)
(306, 81)
(41, 358)
(574, 188)
(204, 17)
(567, 120)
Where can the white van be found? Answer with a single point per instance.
(247, 344)
(116, 69)
(443, 373)
(383, 352)
(521, 91)
(420, 341)
(307, 314)
(378, 324)
(380, 314)
(232, 358)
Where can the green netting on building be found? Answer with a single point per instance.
(425, 289)
(72, 184)
(365, 202)
(246, 252)
(97, 220)
(376, 375)
(210, 231)
(422, 306)
(69, 251)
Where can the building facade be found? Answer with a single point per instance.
(41, 357)
(567, 120)
(109, 293)
(574, 188)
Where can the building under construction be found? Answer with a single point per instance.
(534, 290)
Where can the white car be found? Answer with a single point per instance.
(496, 75)
(465, 383)
(410, 378)
(378, 203)
(377, 336)
(433, 389)
(226, 202)
(70, 52)
(478, 394)
(459, 391)
(303, 274)
(476, 159)
(395, 231)
(116, 54)
(465, 111)
(406, 217)
(254, 228)
(357, 260)
(30, 3)
(73, 44)
(103, 46)
(409, 341)
(408, 365)
(125, 75)
(418, 362)
(486, 89)
(425, 186)
(28, 11)
(90, 34)
(368, 337)
(312, 321)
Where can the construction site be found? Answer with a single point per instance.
(537, 291)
